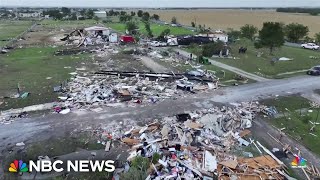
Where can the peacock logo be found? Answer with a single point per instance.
(298, 162)
(18, 166)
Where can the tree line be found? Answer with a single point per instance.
(312, 11)
(293, 32)
(65, 13)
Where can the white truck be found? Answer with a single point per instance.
(312, 46)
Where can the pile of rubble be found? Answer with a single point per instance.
(115, 88)
(197, 146)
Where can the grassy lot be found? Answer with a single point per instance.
(291, 103)
(262, 66)
(11, 29)
(251, 63)
(297, 126)
(155, 28)
(53, 24)
(29, 67)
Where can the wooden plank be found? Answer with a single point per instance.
(107, 148)
(304, 171)
(229, 163)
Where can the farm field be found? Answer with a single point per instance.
(224, 19)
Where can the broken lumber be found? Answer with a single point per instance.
(271, 154)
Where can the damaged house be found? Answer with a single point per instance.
(90, 36)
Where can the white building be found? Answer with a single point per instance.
(100, 14)
(30, 15)
(216, 36)
(94, 30)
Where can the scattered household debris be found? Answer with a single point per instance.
(197, 145)
(285, 59)
(105, 88)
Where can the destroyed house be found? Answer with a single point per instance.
(187, 40)
(216, 36)
(97, 30)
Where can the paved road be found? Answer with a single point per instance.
(227, 67)
(55, 124)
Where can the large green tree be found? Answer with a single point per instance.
(271, 35)
(155, 17)
(213, 48)
(317, 37)
(145, 16)
(131, 27)
(248, 31)
(148, 28)
(295, 31)
(233, 34)
(162, 35)
(140, 13)
(65, 11)
(174, 20)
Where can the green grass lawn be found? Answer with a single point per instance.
(11, 29)
(155, 28)
(251, 63)
(297, 125)
(30, 67)
(292, 103)
(53, 24)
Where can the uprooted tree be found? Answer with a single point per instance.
(295, 31)
(271, 36)
(248, 31)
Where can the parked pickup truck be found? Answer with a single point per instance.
(310, 46)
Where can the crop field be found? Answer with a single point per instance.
(224, 19)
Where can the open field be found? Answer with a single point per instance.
(63, 25)
(155, 28)
(224, 19)
(29, 67)
(262, 66)
(11, 29)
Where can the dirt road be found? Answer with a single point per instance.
(151, 64)
(227, 67)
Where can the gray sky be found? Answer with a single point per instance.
(163, 3)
